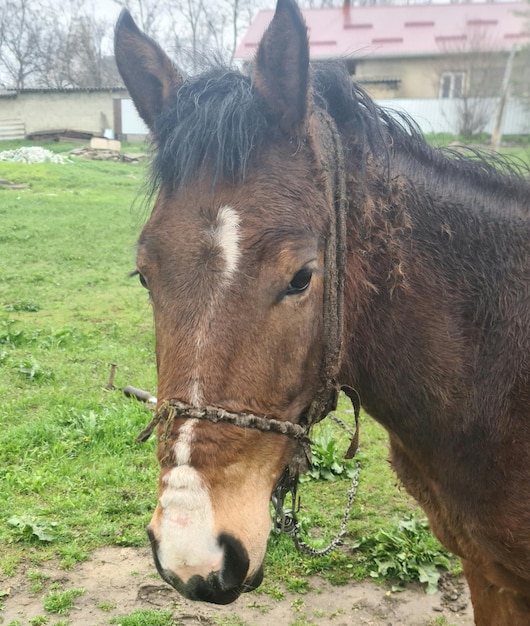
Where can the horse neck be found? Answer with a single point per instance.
(474, 182)
(423, 279)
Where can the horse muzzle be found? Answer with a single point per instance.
(218, 587)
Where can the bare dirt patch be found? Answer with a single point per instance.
(118, 581)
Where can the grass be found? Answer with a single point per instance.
(152, 617)
(72, 477)
(67, 311)
(65, 146)
(60, 602)
(515, 147)
(38, 579)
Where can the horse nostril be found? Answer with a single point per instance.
(235, 562)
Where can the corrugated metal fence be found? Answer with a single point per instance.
(445, 116)
(12, 129)
(432, 116)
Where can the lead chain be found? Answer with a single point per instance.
(305, 548)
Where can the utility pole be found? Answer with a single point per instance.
(497, 131)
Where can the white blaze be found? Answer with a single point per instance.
(225, 233)
(226, 236)
(182, 447)
(188, 544)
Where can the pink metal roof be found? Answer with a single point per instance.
(398, 31)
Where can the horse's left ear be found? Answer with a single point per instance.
(281, 67)
(147, 71)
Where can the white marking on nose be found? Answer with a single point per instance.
(227, 236)
(187, 545)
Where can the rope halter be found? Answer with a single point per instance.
(331, 156)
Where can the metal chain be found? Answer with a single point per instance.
(305, 548)
(285, 519)
(343, 424)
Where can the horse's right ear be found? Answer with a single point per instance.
(147, 71)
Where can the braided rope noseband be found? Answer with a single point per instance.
(171, 409)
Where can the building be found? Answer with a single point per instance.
(34, 111)
(415, 51)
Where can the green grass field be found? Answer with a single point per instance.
(72, 477)
(68, 459)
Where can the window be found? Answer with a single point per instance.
(452, 84)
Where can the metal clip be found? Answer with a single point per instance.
(284, 520)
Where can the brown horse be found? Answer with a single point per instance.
(302, 238)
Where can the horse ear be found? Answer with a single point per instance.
(147, 71)
(281, 67)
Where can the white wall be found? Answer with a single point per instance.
(91, 111)
(131, 122)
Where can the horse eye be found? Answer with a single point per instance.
(141, 278)
(300, 282)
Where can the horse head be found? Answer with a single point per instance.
(233, 256)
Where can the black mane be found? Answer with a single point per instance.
(216, 122)
(477, 179)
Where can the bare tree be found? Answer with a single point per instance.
(45, 43)
(324, 4)
(226, 21)
(51, 45)
(21, 41)
(90, 66)
(471, 71)
(148, 14)
(76, 56)
(190, 31)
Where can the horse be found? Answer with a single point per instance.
(302, 239)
